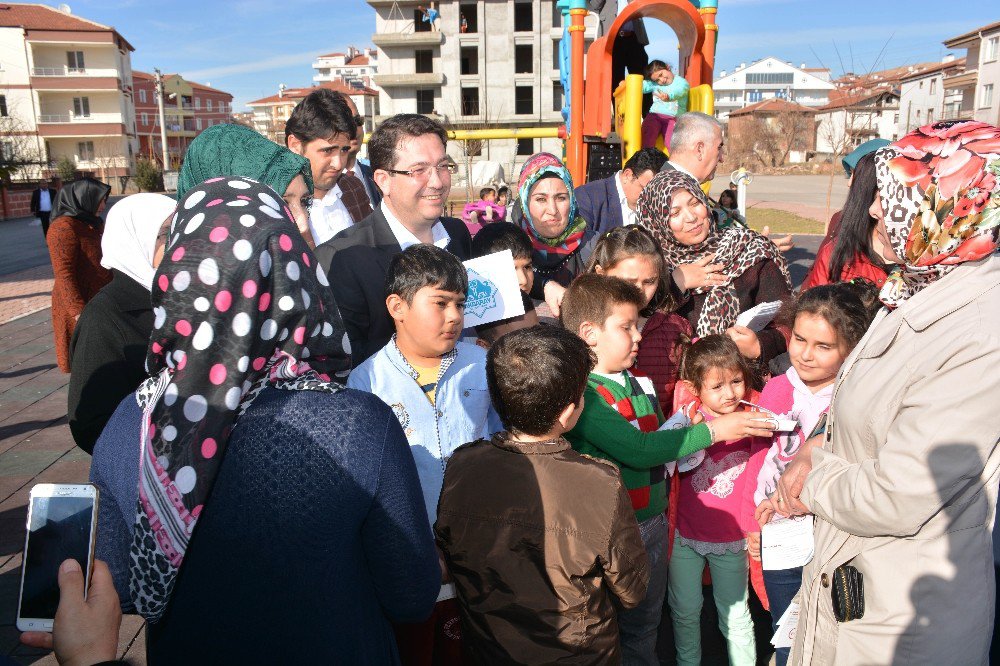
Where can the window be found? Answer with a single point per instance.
(142, 95)
(986, 99)
(895, 119)
(754, 96)
(770, 77)
(197, 102)
(525, 146)
(7, 151)
(556, 15)
(557, 97)
(197, 123)
(424, 61)
(470, 60)
(419, 24)
(85, 151)
(81, 107)
(933, 85)
(918, 116)
(470, 101)
(523, 15)
(524, 100)
(921, 85)
(143, 119)
(468, 18)
(3, 106)
(74, 61)
(990, 51)
(425, 101)
(930, 115)
(523, 59)
(208, 104)
(555, 56)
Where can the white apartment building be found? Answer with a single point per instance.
(979, 85)
(924, 98)
(851, 119)
(65, 91)
(770, 78)
(356, 67)
(498, 71)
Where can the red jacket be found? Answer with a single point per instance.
(860, 267)
(659, 358)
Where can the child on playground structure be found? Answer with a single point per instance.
(670, 99)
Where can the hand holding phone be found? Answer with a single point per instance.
(85, 630)
(62, 521)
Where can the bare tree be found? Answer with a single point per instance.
(20, 157)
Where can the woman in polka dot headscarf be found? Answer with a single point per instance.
(240, 304)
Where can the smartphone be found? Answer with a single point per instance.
(62, 522)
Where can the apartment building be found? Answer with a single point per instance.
(355, 67)
(851, 118)
(770, 78)
(979, 85)
(483, 65)
(923, 97)
(65, 91)
(188, 108)
(270, 113)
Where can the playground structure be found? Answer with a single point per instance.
(593, 113)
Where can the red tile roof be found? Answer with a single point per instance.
(893, 75)
(146, 76)
(840, 99)
(972, 33)
(775, 105)
(358, 61)
(941, 66)
(42, 17)
(330, 55)
(299, 93)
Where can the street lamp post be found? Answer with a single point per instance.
(163, 123)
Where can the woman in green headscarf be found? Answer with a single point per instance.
(235, 150)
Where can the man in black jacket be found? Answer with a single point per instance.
(413, 171)
(43, 200)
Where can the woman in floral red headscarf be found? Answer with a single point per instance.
(903, 485)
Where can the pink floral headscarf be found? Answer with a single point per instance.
(941, 199)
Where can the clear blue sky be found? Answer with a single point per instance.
(250, 46)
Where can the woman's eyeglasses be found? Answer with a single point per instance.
(424, 173)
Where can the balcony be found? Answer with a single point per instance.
(391, 39)
(966, 79)
(72, 71)
(60, 118)
(408, 80)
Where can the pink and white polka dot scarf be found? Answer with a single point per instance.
(240, 303)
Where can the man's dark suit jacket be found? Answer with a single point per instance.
(357, 263)
(366, 175)
(598, 203)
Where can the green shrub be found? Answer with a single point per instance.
(147, 176)
(66, 168)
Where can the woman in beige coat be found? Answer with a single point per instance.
(904, 487)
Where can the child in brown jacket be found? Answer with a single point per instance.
(538, 538)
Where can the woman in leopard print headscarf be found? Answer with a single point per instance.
(718, 273)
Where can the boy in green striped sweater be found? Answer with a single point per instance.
(620, 422)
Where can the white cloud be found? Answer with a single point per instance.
(267, 64)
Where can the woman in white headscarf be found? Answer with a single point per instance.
(108, 350)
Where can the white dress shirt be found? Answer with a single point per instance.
(44, 201)
(328, 216)
(405, 237)
(628, 215)
(683, 170)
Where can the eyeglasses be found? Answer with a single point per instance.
(424, 173)
(359, 121)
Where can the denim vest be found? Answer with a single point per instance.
(461, 413)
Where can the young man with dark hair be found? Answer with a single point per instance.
(321, 129)
(413, 171)
(539, 539)
(436, 386)
(610, 202)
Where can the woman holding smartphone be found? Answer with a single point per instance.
(272, 502)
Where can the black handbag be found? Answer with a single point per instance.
(848, 593)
